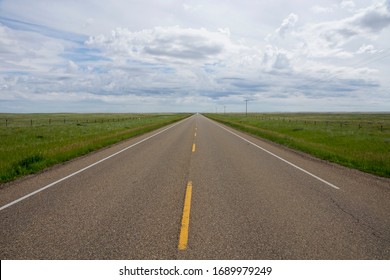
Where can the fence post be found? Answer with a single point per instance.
(6, 122)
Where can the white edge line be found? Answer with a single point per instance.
(278, 157)
(85, 168)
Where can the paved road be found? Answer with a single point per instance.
(214, 192)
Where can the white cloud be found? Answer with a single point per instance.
(322, 10)
(72, 67)
(275, 59)
(333, 38)
(29, 51)
(192, 8)
(372, 19)
(287, 25)
(348, 5)
(169, 44)
(370, 49)
(191, 55)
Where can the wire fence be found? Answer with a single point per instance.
(364, 122)
(55, 121)
(381, 125)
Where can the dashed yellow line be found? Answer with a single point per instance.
(185, 221)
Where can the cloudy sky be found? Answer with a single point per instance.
(194, 55)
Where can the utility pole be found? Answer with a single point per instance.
(246, 106)
(224, 109)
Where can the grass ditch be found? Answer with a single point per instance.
(355, 140)
(33, 142)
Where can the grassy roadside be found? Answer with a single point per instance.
(360, 141)
(32, 142)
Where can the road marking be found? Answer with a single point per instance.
(278, 157)
(195, 134)
(193, 147)
(85, 168)
(185, 221)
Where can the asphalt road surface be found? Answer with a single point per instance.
(196, 190)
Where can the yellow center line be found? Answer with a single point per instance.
(185, 221)
(193, 147)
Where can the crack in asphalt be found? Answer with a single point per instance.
(374, 232)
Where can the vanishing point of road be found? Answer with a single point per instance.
(196, 190)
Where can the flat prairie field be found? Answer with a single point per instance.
(356, 140)
(32, 142)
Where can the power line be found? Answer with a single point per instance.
(361, 63)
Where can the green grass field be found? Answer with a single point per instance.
(32, 142)
(355, 140)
